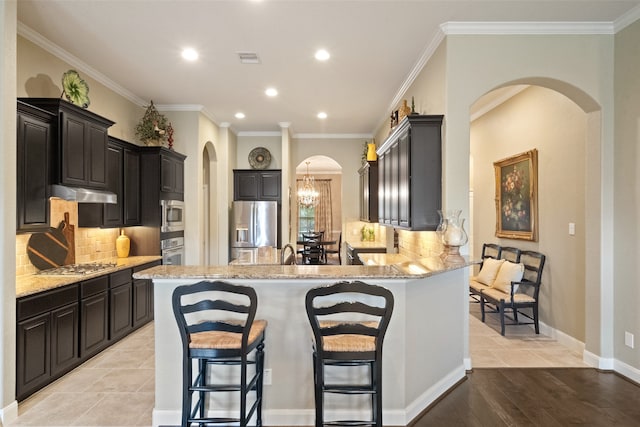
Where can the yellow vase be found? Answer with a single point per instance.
(123, 244)
(371, 152)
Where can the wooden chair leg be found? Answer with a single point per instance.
(482, 307)
(502, 317)
(318, 379)
(535, 318)
(259, 385)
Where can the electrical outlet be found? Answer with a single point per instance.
(267, 377)
(628, 339)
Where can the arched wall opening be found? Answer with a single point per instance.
(564, 124)
(210, 214)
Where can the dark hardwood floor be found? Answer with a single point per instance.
(537, 397)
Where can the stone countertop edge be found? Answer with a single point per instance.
(33, 283)
(365, 244)
(286, 272)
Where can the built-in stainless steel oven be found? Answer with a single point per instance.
(172, 215)
(172, 251)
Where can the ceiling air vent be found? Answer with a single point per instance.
(249, 58)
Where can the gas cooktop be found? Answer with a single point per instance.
(77, 269)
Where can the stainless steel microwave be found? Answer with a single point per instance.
(172, 215)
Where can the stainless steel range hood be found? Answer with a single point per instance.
(83, 195)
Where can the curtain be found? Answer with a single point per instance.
(323, 213)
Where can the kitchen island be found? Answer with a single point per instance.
(423, 352)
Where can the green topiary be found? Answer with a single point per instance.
(151, 130)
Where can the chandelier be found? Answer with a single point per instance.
(307, 194)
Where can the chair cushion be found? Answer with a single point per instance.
(226, 340)
(509, 272)
(497, 295)
(477, 286)
(489, 271)
(348, 342)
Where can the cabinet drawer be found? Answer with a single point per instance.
(94, 286)
(46, 301)
(120, 278)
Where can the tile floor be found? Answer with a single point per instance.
(116, 388)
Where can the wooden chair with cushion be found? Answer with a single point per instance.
(516, 287)
(217, 326)
(488, 270)
(312, 250)
(349, 321)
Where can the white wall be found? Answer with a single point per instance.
(548, 121)
(273, 143)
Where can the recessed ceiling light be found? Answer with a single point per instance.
(322, 115)
(189, 54)
(271, 92)
(240, 115)
(322, 55)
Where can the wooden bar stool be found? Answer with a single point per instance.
(217, 327)
(349, 321)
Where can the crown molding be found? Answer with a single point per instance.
(259, 133)
(627, 19)
(333, 136)
(39, 40)
(526, 28)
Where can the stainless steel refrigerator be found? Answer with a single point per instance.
(253, 224)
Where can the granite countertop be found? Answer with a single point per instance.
(365, 244)
(33, 283)
(279, 272)
(262, 256)
(417, 266)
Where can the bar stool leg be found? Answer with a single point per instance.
(318, 380)
(260, 382)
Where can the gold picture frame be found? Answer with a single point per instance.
(517, 196)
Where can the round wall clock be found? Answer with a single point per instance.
(259, 158)
(75, 89)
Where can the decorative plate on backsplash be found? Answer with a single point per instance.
(259, 158)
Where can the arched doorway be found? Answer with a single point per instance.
(325, 171)
(210, 230)
(558, 120)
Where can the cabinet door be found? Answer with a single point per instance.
(96, 158)
(245, 185)
(33, 169)
(131, 196)
(141, 301)
(74, 150)
(113, 212)
(179, 178)
(167, 174)
(120, 311)
(94, 324)
(33, 367)
(64, 338)
(382, 181)
(404, 181)
(269, 183)
(395, 174)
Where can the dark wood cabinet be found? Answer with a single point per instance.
(123, 179)
(171, 174)
(249, 184)
(120, 304)
(81, 143)
(411, 174)
(94, 316)
(143, 297)
(35, 129)
(369, 192)
(47, 338)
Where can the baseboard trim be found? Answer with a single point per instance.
(592, 359)
(9, 413)
(566, 340)
(627, 371)
(423, 401)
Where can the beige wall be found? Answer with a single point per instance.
(248, 143)
(40, 73)
(548, 121)
(627, 194)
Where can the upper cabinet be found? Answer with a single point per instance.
(171, 173)
(369, 192)
(410, 174)
(123, 179)
(161, 178)
(82, 143)
(250, 184)
(35, 128)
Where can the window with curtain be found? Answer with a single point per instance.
(319, 217)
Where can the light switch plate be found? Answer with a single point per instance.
(572, 229)
(628, 339)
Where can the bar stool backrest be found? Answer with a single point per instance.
(349, 309)
(215, 306)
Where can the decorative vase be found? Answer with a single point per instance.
(371, 152)
(452, 233)
(123, 244)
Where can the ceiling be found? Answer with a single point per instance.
(134, 47)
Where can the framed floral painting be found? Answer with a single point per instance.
(517, 196)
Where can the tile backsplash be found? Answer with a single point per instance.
(91, 244)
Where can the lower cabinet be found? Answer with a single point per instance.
(47, 338)
(352, 253)
(120, 304)
(94, 316)
(58, 329)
